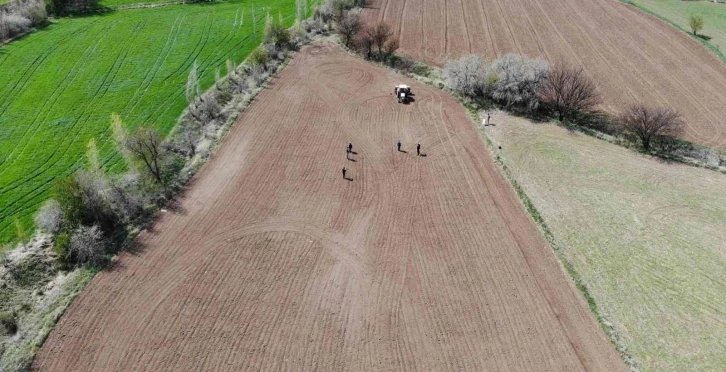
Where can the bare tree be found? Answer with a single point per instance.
(87, 244)
(380, 34)
(145, 146)
(365, 41)
(647, 123)
(568, 90)
(49, 217)
(391, 47)
(349, 26)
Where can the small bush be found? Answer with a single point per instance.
(12, 25)
(276, 33)
(8, 324)
(258, 58)
(87, 245)
(62, 247)
(406, 64)
(49, 217)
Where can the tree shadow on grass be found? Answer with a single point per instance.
(704, 37)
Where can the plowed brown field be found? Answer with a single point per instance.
(274, 262)
(633, 57)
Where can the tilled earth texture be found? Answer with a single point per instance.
(273, 261)
(632, 56)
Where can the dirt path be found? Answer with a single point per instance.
(274, 262)
(632, 56)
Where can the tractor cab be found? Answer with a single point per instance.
(403, 92)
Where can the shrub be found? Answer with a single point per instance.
(406, 64)
(68, 193)
(259, 57)
(127, 197)
(276, 33)
(8, 324)
(12, 25)
(519, 80)
(647, 123)
(87, 245)
(49, 217)
(62, 247)
(568, 91)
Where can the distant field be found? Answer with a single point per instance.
(678, 11)
(59, 86)
(649, 238)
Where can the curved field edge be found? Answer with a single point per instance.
(49, 116)
(605, 324)
(706, 43)
(656, 285)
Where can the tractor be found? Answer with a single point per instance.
(402, 92)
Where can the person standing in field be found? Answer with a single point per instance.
(398, 144)
(418, 149)
(344, 171)
(350, 147)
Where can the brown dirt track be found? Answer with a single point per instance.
(633, 56)
(274, 262)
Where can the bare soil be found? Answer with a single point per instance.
(633, 56)
(273, 261)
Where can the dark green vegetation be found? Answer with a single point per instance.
(61, 84)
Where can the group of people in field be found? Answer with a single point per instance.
(349, 151)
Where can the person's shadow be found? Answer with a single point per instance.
(348, 178)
